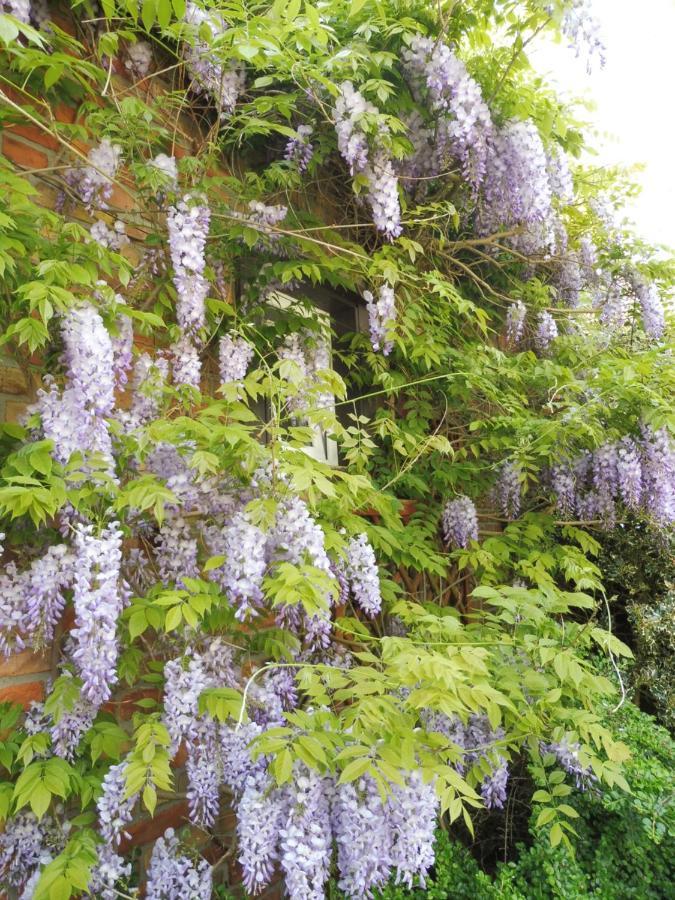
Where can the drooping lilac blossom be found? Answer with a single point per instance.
(32, 601)
(464, 123)
(237, 765)
(605, 481)
(224, 82)
(653, 316)
(305, 837)
(172, 875)
(567, 756)
(299, 149)
(363, 575)
(658, 469)
(363, 836)
(176, 551)
(629, 472)
(381, 317)
(382, 192)
(296, 537)
(582, 29)
(139, 59)
(111, 238)
(98, 599)
(241, 575)
(293, 368)
(515, 323)
(546, 333)
(188, 225)
(89, 358)
(93, 183)
(21, 848)
(559, 175)
(516, 192)
(413, 811)
(204, 777)
(568, 279)
(20, 9)
(182, 689)
(122, 347)
(185, 362)
(350, 108)
(564, 486)
(261, 812)
(508, 489)
(460, 522)
(234, 356)
(115, 809)
(70, 425)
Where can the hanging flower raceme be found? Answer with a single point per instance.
(463, 123)
(234, 356)
(115, 811)
(224, 81)
(172, 875)
(363, 575)
(460, 522)
(98, 598)
(568, 757)
(188, 225)
(546, 333)
(299, 149)
(381, 317)
(261, 811)
(148, 381)
(508, 489)
(241, 574)
(93, 184)
(376, 167)
(515, 323)
(305, 837)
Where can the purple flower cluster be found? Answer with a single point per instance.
(351, 110)
(224, 82)
(32, 601)
(241, 575)
(21, 848)
(73, 417)
(122, 350)
(638, 473)
(188, 226)
(460, 522)
(93, 183)
(463, 122)
(173, 875)
(234, 356)
(186, 365)
(567, 756)
(20, 9)
(111, 238)
(653, 317)
(546, 333)
(516, 192)
(115, 812)
(363, 575)
(582, 29)
(98, 599)
(260, 815)
(299, 149)
(381, 317)
(508, 489)
(515, 323)
(363, 837)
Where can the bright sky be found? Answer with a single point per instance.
(633, 94)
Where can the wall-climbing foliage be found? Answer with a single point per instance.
(347, 652)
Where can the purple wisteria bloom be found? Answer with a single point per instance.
(460, 522)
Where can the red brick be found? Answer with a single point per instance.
(14, 410)
(65, 114)
(34, 134)
(23, 155)
(12, 380)
(24, 694)
(121, 199)
(150, 829)
(125, 706)
(26, 663)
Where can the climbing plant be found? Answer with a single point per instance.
(347, 651)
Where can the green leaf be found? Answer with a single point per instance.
(354, 770)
